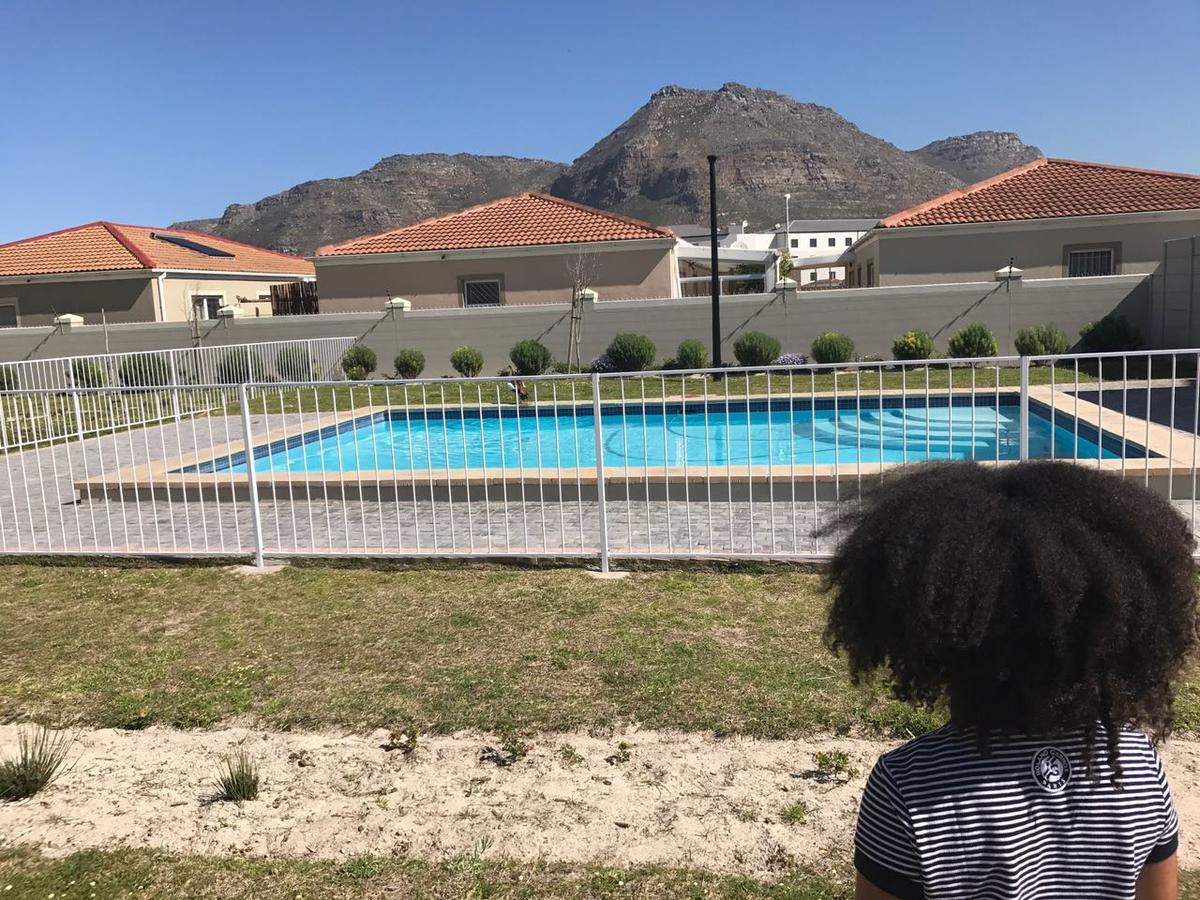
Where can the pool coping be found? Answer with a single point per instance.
(1176, 451)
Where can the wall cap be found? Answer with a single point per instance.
(399, 303)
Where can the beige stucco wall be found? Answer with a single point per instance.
(121, 299)
(435, 284)
(180, 290)
(937, 255)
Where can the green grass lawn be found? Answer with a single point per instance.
(143, 873)
(140, 873)
(446, 648)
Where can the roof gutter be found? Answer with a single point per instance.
(661, 243)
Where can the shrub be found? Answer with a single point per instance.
(602, 364)
(530, 357)
(755, 348)
(975, 339)
(1110, 335)
(144, 370)
(240, 365)
(832, 347)
(238, 778)
(631, 352)
(409, 363)
(467, 361)
(692, 354)
(87, 374)
(790, 359)
(292, 364)
(40, 759)
(1041, 340)
(913, 345)
(8, 378)
(358, 362)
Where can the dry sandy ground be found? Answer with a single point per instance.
(680, 800)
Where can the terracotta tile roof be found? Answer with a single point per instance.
(520, 221)
(107, 247)
(1054, 188)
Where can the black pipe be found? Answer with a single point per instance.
(716, 274)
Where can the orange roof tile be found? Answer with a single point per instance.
(1055, 188)
(521, 221)
(107, 247)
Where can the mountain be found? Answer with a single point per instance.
(653, 166)
(395, 191)
(979, 155)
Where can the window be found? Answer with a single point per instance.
(483, 292)
(833, 242)
(812, 275)
(812, 242)
(8, 314)
(206, 305)
(870, 274)
(849, 241)
(1084, 263)
(796, 243)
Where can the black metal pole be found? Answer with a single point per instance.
(716, 274)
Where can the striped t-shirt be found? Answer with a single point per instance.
(938, 819)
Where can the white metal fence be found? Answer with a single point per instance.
(735, 463)
(46, 400)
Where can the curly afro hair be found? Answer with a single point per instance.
(1036, 598)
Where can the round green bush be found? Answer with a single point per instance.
(238, 366)
(1041, 340)
(832, 348)
(144, 370)
(358, 362)
(409, 363)
(467, 361)
(87, 374)
(530, 357)
(631, 352)
(1111, 334)
(8, 378)
(692, 354)
(292, 364)
(756, 348)
(913, 345)
(974, 340)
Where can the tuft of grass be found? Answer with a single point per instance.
(793, 814)
(237, 781)
(569, 755)
(41, 758)
(831, 763)
(405, 739)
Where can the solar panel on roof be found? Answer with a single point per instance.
(180, 241)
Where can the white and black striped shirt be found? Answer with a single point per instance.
(938, 819)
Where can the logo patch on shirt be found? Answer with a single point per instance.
(1051, 769)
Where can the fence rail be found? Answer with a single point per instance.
(147, 387)
(729, 463)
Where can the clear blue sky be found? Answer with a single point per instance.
(149, 112)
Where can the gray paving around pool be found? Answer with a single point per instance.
(40, 512)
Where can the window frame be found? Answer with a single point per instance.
(870, 273)
(193, 296)
(833, 242)
(464, 280)
(812, 242)
(1113, 248)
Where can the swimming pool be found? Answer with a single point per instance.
(799, 431)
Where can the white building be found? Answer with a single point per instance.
(818, 247)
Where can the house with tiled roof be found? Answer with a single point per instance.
(517, 250)
(132, 273)
(1053, 218)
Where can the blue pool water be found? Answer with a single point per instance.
(801, 432)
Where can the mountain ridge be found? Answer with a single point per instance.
(652, 166)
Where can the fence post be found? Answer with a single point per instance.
(312, 366)
(172, 355)
(1025, 407)
(599, 435)
(250, 376)
(251, 479)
